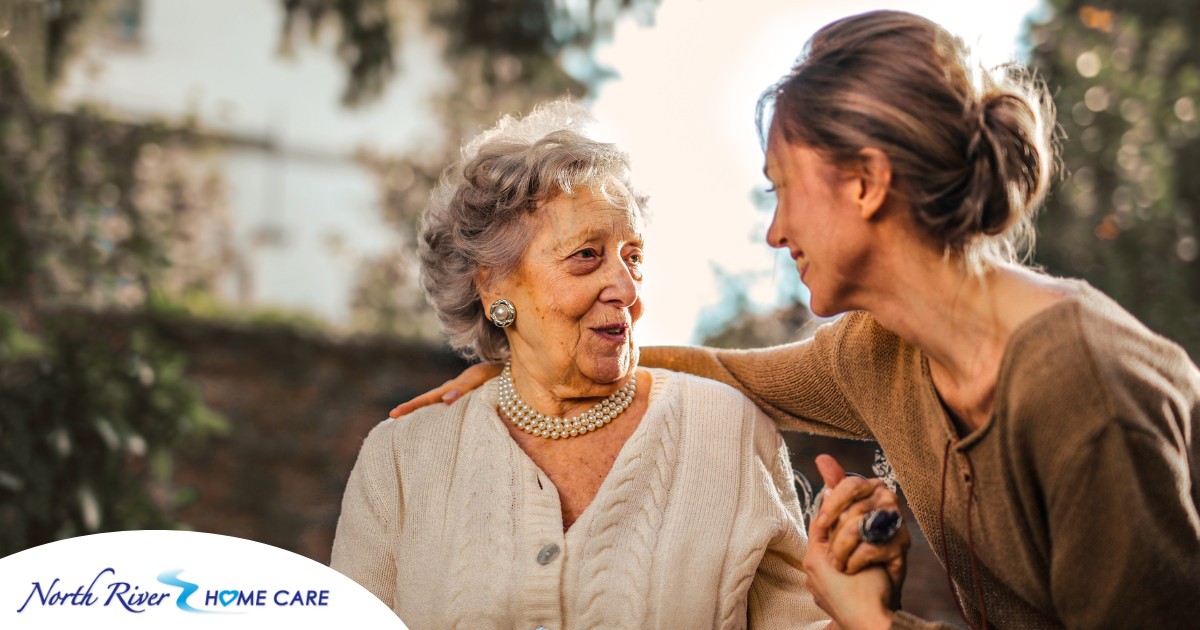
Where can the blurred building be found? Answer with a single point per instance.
(302, 211)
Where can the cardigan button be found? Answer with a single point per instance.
(548, 553)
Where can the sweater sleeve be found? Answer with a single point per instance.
(795, 384)
(778, 596)
(1111, 434)
(1124, 532)
(369, 518)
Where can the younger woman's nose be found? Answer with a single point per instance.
(775, 237)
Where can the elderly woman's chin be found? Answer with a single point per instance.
(602, 364)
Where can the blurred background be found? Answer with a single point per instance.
(208, 291)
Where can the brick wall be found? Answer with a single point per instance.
(299, 406)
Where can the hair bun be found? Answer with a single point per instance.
(1008, 169)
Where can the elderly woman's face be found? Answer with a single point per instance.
(576, 293)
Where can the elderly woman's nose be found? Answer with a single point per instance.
(621, 287)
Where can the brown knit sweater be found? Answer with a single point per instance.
(1078, 497)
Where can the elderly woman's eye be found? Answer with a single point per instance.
(635, 258)
(587, 254)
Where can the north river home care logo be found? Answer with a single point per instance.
(180, 580)
(108, 590)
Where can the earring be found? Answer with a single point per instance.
(503, 313)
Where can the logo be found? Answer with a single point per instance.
(107, 590)
(175, 579)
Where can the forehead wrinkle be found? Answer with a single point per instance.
(566, 234)
(635, 235)
(590, 219)
(624, 224)
(624, 221)
(592, 232)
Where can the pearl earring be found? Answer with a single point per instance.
(503, 313)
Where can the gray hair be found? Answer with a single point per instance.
(478, 215)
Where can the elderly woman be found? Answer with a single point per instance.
(576, 490)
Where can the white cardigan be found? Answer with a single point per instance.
(697, 524)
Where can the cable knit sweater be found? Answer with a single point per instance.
(697, 524)
(1074, 506)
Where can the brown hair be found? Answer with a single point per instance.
(971, 149)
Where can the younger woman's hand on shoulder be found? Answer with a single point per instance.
(452, 389)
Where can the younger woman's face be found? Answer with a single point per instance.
(818, 219)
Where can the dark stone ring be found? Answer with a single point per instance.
(879, 526)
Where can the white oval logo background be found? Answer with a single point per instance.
(174, 579)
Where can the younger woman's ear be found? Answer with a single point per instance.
(875, 181)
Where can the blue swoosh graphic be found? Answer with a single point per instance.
(172, 578)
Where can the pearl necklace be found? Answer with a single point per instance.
(541, 425)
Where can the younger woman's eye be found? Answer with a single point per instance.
(771, 190)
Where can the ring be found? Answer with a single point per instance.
(879, 526)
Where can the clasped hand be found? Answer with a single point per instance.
(856, 582)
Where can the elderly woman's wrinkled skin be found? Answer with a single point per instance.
(576, 293)
(577, 296)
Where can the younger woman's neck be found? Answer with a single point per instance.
(948, 312)
(962, 319)
(959, 317)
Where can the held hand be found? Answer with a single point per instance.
(847, 501)
(452, 389)
(854, 601)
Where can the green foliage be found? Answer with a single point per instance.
(63, 19)
(735, 322)
(1126, 81)
(93, 219)
(84, 410)
(204, 305)
(512, 38)
(99, 213)
(366, 45)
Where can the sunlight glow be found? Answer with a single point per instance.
(683, 106)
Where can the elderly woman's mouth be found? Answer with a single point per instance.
(616, 333)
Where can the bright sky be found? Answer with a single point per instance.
(683, 107)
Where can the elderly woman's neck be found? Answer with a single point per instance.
(561, 393)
